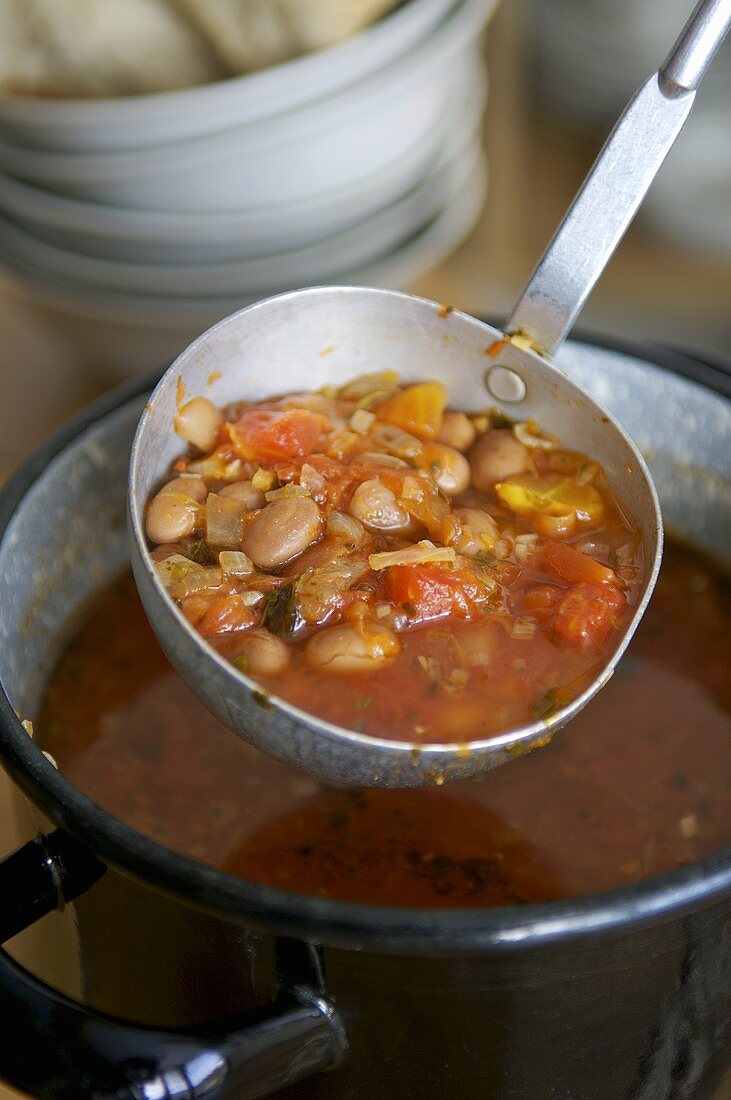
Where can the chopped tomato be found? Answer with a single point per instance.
(588, 613)
(194, 608)
(339, 479)
(571, 565)
(262, 433)
(541, 600)
(431, 591)
(226, 614)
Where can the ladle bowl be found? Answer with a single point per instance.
(328, 335)
(310, 338)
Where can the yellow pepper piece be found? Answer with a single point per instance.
(551, 495)
(417, 409)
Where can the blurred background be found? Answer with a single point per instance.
(431, 145)
(163, 162)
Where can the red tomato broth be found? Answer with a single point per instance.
(443, 632)
(636, 786)
(419, 695)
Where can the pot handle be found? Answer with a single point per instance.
(56, 1049)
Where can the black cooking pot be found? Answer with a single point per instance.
(198, 984)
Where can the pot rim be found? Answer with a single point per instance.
(390, 929)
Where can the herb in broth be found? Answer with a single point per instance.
(469, 571)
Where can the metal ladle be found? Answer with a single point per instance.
(308, 338)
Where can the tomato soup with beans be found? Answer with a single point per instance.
(635, 786)
(391, 565)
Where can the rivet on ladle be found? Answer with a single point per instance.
(505, 385)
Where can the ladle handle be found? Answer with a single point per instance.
(609, 198)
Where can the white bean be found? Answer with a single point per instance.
(377, 507)
(496, 456)
(457, 431)
(189, 485)
(448, 467)
(281, 531)
(264, 653)
(475, 523)
(198, 422)
(245, 493)
(171, 516)
(345, 649)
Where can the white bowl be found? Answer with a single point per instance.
(156, 237)
(78, 125)
(349, 250)
(289, 159)
(184, 317)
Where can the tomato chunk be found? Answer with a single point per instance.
(573, 566)
(588, 613)
(542, 599)
(226, 614)
(293, 433)
(432, 591)
(339, 479)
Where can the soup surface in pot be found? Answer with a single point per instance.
(636, 786)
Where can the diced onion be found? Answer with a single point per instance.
(286, 492)
(313, 483)
(688, 826)
(502, 549)
(198, 422)
(235, 563)
(264, 480)
(321, 591)
(396, 440)
(525, 546)
(429, 666)
(182, 577)
(251, 598)
(411, 490)
(624, 555)
(523, 628)
(424, 551)
(366, 384)
(598, 550)
(361, 421)
(174, 568)
(225, 518)
(233, 470)
(528, 433)
(588, 473)
(213, 466)
(458, 678)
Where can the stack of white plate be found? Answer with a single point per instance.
(359, 163)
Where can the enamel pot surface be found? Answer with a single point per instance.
(173, 979)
